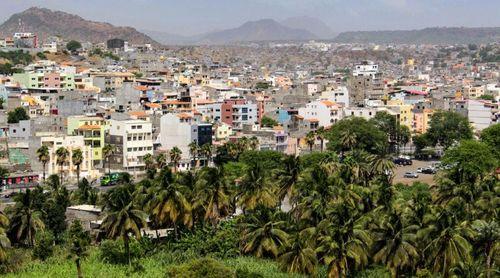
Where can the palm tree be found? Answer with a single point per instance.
(194, 152)
(26, 219)
(213, 193)
(207, 152)
(299, 255)
(395, 244)
(288, 175)
(487, 242)
(256, 189)
(161, 160)
(62, 157)
(320, 134)
(169, 204)
(107, 151)
(448, 246)
(343, 243)
(348, 140)
(310, 140)
(43, 157)
(77, 159)
(79, 241)
(263, 234)
(150, 167)
(123, 216)
(253, 143)
(175, 157)
(4, 240)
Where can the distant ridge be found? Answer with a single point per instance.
(47, 23)
(261, 30)
(435, 35)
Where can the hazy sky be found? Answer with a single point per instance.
(198, 16)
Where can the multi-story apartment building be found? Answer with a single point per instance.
(235, 112)
(42, 80)
(93, 130)
(481, 113)
(71, 143)
(180, 130)
(324, 111)
(132, 140)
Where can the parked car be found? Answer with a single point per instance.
(420, 169)
(411, 175)
(428, 170)
(402, 161)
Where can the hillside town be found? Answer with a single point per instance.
(189, 145)
(145, 101)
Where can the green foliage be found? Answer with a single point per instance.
(41, 55)
(447, 128)
(19, 114)
(268, 122)
(469, 161)
(201, 268)
(73, 45)
(111, 56)
(113, 251)
(366, 136)
(17, 258)
(491, 136)
(44, 246)
(487, 97)
(17, 57)
(8, 69)
(207, 241)
(267, 159)
(262, 85)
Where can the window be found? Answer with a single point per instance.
(134, 127)
(139, 127)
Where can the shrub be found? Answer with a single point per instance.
(113, 251)
(202, 268)
(221, 243)
(44, 247)
(16, 258)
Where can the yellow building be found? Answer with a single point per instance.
(403, 110)
(93, 130)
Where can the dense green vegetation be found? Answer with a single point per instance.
(73, 45)
(334, 213)
(18, 57)
(268, 122)
(18, 114)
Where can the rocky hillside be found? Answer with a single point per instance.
(450, 35)
(48, 23)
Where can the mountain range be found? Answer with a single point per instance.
(435, 35)
(46, 23)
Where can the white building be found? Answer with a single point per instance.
(176, 131)
(50, 47)
(481, 113)
(133, 140)
(325, 112)
(338, 95)
(366, 68)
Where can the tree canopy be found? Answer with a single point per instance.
(19, 114)
(447, 128)
(364, 135)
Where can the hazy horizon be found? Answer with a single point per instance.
(201, 16)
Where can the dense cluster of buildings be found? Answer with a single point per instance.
(151, 100)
